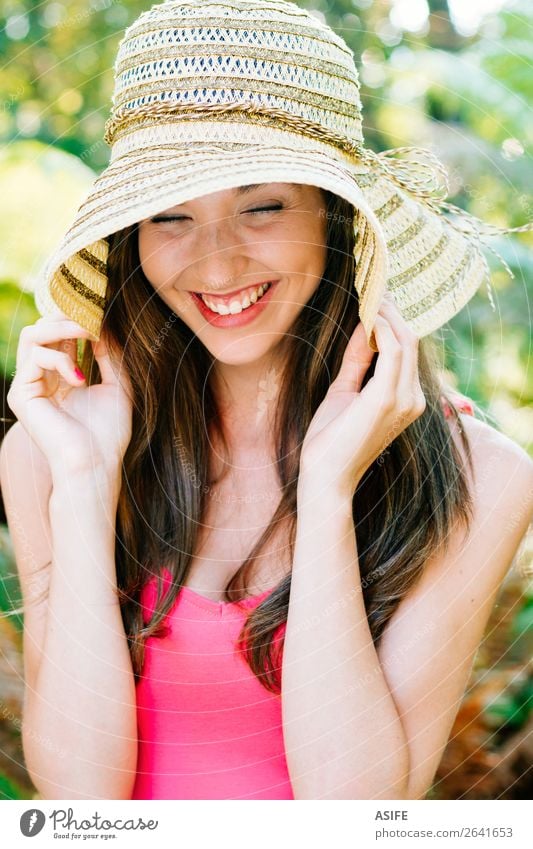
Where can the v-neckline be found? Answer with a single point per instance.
(210, 604)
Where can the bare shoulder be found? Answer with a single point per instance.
(502, 493)
(503, 470)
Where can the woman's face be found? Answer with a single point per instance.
(227, 244)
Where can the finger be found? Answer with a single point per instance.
(355, 362)
(56, 316)
(47, 333)
(391, 311)
(409, 379)
(112, 367)
(389, 362)
(42, 360)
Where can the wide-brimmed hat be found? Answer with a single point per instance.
(212, 96)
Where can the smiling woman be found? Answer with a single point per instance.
(250, 340)
(270, 235)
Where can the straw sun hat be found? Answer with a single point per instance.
(211, 96)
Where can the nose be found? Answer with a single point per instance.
(221, 257)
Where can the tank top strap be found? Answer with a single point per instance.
(462, 403)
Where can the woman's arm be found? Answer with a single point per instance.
(79, 726)
(26, 487)
(429, 645)
(365, 725)
(343, 736)
(79, 719)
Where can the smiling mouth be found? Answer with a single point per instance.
(235, 303)
(225, 296)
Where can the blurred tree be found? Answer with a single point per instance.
(442, 33)
(466, 98)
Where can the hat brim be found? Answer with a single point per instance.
(429, 267)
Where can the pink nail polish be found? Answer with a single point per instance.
(79, 374)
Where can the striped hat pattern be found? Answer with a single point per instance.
(214, 95)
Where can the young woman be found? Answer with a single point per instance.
(257, 558)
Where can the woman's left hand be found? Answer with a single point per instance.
(351, 428)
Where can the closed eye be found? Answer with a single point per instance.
(273, 208)
(161, 218)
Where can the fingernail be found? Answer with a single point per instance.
(79, 374)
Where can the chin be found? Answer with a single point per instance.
(240, 352)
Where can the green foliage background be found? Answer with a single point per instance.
(467, 98)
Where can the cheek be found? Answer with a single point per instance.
(147, 254)
(308, 247)
(155, 258)
(313, 255)
(143, 241)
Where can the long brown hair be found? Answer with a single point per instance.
(404, 507)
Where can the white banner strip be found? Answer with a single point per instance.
(217, 824)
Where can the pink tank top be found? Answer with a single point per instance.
(207, 728)
(461, 402)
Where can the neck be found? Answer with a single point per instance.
(247, 397)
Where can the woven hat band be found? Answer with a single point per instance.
(232, 127)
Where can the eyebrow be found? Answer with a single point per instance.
(250, 188)
(242, 190)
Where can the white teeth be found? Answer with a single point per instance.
(236, 306)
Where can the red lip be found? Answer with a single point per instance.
(239, 319)
(225, 297)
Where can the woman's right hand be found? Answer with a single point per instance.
(78, 428)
